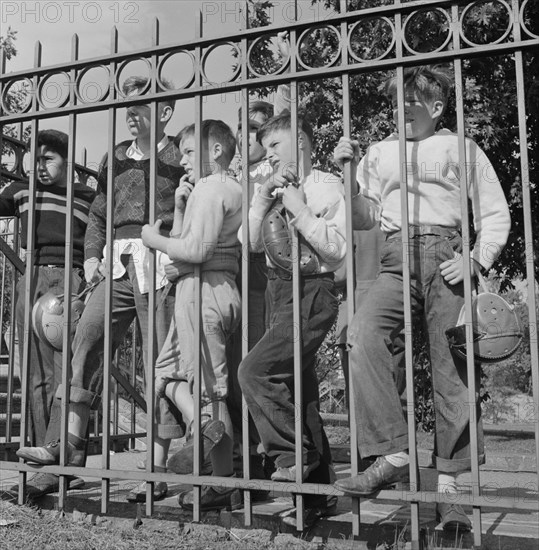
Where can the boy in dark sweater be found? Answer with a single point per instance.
(45, 362)
(130, 267)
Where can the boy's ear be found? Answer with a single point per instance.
(216, 151)
(166, 113)
(438, 109)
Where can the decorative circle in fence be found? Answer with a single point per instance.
(482, 20)
(263, 57)
(319, 47)
(525, 17)
(361, 45)
(426, 31)
(177, 69)
(214, 68)
(53, 90)
(92, 84)
(17, 96)
(133, 67)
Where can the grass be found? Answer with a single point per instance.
(28, 528)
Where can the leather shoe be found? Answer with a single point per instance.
(376, 477)
(452, 517)
(182, 461)
(213, 498)
(41, 484)
(50, 454)
(310, 515)
(289, 473)
(138, 494)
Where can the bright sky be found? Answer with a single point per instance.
(53, 23)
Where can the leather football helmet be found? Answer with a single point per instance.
(496, 329)
(48, 318)
(278, 242)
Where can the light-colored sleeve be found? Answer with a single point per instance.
(282, 99)
(326, 233)
(259, 206)
(366, 205)
(492, 221)
(202, 225)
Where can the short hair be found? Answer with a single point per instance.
(216, 131)
(258, 107)
(54, 140)
(283, 121)
(138, 83)
(431, 83)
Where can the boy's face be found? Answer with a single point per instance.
(138, 119)
(188, 160)
(51, 167)
(279, 150)
(420, 116)
(256, 151)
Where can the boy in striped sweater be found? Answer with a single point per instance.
(44, 362)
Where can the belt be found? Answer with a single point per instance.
(276, 273)
(419, 230)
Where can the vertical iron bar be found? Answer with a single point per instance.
(407, 302)
(150, 359)
(296, 282)
(68, 264)
(29, 281)
(528, 227)
(246, 202)
(107, 352)
(470, 362)
(197, 387)
(349, 180)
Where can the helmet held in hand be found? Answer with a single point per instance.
(496, 329)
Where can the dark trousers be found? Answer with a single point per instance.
(381, 425)
(127, 303)
(266, 375)
(44, 363)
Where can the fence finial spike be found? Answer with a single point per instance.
(155, 32)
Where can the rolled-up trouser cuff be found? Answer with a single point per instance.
(396, 445)
(80, 395)
(449, 465)
(286, 460)
(170, 431)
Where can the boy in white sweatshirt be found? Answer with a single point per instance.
(434, 179)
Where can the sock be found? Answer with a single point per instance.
(447, 483)
(398, 459)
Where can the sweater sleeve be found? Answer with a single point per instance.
(95, 238)
(202, 225)
(326, 233)
(366, 205)
(7, 201)
(492, 220)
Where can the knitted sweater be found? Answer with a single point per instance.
(209, 234)
(132, 196)
(50, 219)
(434, 182)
